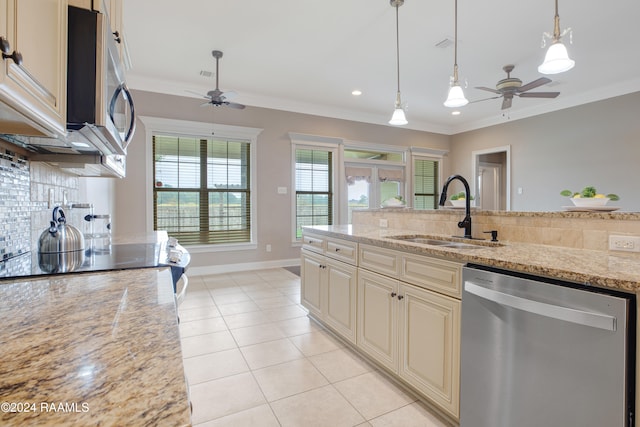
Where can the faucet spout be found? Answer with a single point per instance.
(466, 222)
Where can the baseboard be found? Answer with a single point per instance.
(231, 268)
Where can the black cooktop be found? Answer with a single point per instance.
(112, 257)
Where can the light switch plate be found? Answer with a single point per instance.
(282, 190)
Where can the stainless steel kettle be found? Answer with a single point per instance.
(60, 236)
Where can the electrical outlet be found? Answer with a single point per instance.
(624, 243)
(268, 248)
(384, 223)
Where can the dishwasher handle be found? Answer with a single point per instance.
(586, 318)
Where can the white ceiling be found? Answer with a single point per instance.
(308, 55)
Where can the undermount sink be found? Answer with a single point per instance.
(446, 243)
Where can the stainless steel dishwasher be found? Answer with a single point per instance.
(540, 352)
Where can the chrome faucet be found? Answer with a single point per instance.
(466, 222)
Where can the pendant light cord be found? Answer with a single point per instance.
(455, 35)
(398, 47)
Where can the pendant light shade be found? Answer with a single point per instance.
(557, 58)
(456, 97)
(398, 118)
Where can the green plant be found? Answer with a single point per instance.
(461, 195)
(589, 192)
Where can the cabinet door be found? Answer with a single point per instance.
(377, 321)
(37, 87)
(430, 345)
(341, 298)
(313, 276)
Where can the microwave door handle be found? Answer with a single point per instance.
(586, 318)
(132, 123)
(122, 89)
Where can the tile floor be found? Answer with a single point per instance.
(253, 358)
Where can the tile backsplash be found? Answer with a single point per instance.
(26, 190)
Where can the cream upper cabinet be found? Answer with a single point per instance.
(429, 356)
(33, 80)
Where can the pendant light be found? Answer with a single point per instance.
(398, 118)
(557, 59)
(456, 95)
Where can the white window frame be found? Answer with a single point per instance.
(322, 143)
(419, 153)
(374, 165)
(173, 127)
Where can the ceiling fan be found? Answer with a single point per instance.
(511, 86)
(217, 97)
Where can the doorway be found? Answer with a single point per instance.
(492, 178)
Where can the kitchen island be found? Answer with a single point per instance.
(605, 269)
(92, 349)
(394, 294)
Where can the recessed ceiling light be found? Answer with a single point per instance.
(356, 92)
(455, 113)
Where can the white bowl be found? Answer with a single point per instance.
(586, 202)
(460, 203)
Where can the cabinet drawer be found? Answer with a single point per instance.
(431, 273)
(342, 250)
(379, 260)
(313, 242)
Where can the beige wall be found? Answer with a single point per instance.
(273, 166)
(594, 144)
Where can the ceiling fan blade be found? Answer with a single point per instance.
(489, 89)
(534, 84)
(484, 99)
(196, 93)
(234, 105)
(539, 95)
(229, 94)
(506, 103)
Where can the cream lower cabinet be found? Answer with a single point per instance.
(409, 328)
(377, 318)
(408, 311)
(313, 275)
(329, 292)
(429, 347)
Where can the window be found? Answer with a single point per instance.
(314, 187)
(202, 189)
(425, 183)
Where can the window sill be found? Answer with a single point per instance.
(196, 249)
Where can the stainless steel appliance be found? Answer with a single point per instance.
(540, 352)
(99, 105)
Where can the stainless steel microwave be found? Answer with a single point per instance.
(99, 104)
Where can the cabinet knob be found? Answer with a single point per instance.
(393, 294)
(16, 56)
(4, 45)
(400, 297)
(117, 36)
(337, 249)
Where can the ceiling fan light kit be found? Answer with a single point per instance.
(456, 97)
(557, 58)
(398, 118)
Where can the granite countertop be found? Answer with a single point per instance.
(597, 268)
(92, 349)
